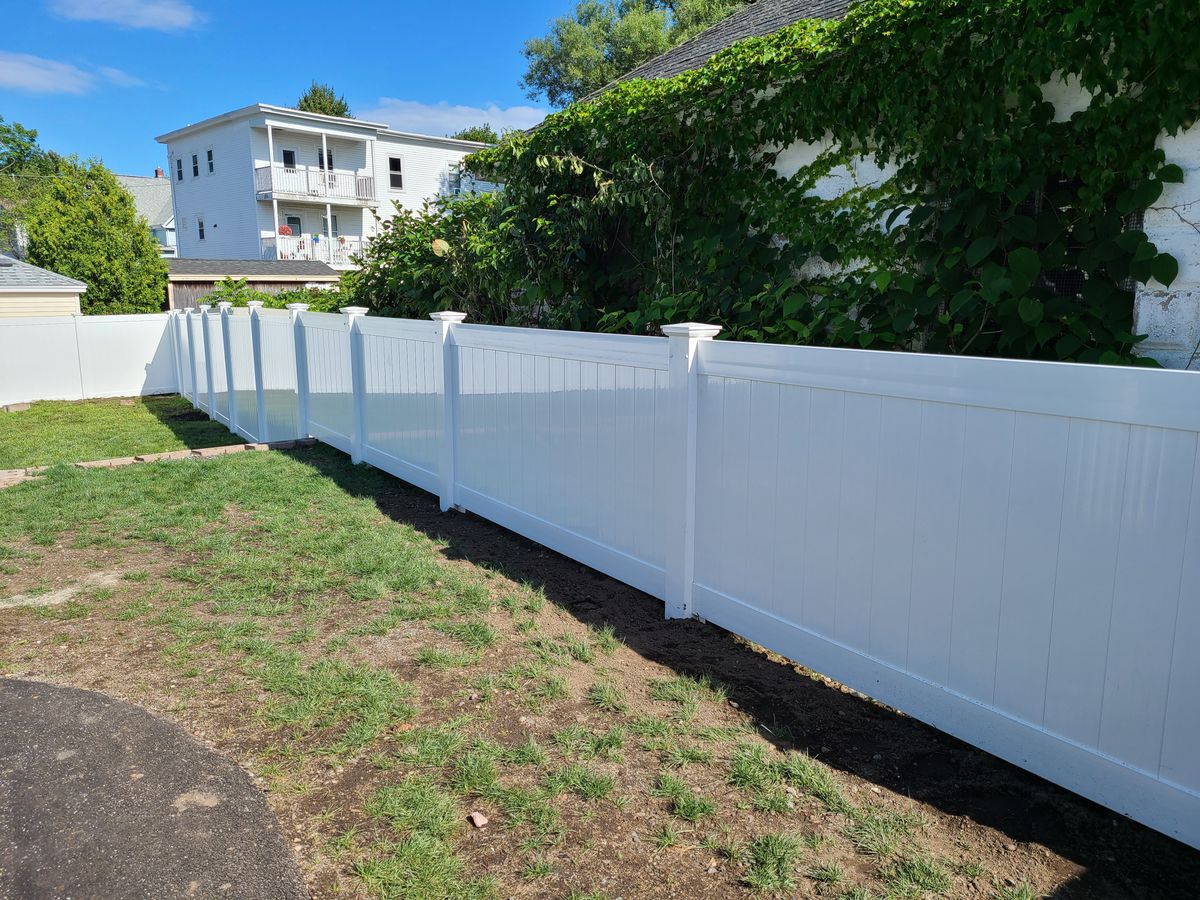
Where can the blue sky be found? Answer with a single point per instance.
(103, 77)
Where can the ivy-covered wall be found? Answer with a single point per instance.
(953, 176)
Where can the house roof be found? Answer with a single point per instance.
(253, 269)
(18, 276)
(755, 19)
(151, 197)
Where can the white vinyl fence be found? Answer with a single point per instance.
(80, 357)
(1007, 550)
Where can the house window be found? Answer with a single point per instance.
(195, 166)
(179, 169)
(325, 226)
(325, 160)
(211, 168)
(396, 173)
(200, 227)
(289, 159)
(294, 223)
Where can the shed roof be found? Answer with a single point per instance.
(755, 19)
(18, 276)
(253, 269)
(151, 197)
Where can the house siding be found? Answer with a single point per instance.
(225, 198)
(13, 304)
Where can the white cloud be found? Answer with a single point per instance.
(160, 15)
(24, 72)
(446, 118)
(36, 75)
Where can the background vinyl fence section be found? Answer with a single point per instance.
(81, 357)
(1007, 550)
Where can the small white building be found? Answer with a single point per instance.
(27, 290)
(273, 183)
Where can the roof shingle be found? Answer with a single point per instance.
(249, 268)
(16, 275)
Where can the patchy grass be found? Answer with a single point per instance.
(385, 677)
(55, 431)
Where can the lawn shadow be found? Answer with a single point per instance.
(1119, 858)
(190, 425)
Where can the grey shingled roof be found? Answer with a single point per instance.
(21, 276)
(151, 197)
(248, 268)
(752, 20)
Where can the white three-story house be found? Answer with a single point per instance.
(268, 182)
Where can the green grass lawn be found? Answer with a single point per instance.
(306, 616)
(54, 431)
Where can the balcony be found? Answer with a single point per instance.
(334, 251)
(312, 183)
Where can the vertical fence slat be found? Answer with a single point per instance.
(358, 382)
(256, 352)
(301, 354)
(208, 366)
(227, 345)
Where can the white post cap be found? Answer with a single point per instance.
(691, 330)
(224, 304)
(352, 311)
(254, 304)
(298, 306)
(204, 306)
(447, 316)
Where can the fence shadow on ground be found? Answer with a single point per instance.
(1117, 857)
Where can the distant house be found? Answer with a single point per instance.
(189, 281)
(273, 183)
(152, 198)
(27, 290)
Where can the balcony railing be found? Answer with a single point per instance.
(336, 251)
(310, 181)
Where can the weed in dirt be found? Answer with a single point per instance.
(579, 650)
(72, 609)
(607, 697)
(444, 660)
(605, 639)
(474, 772)
(529, 753)
(750, 769)
(536, 869)
(805, 773)
(475, 634)
(680, 756)
(417, 805)
(419, 868)
(772, 799)
(830, 873)
(434, 746)
(685, 804)
(772, 860)
(668, 836)
(134, 609)
(915, 876)
(685, 690)
(546, 689)
(580, 781)
(880, 834)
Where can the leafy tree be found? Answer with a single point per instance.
(19, 148)
(81, 223)
(321, 98)
(601, 41)
(484, 133)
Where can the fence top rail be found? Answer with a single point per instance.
(615, 349)
(406, 329)
(327, 321)
(87, 319)
(1158, 398)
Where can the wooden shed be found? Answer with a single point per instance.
(189, 281)
(27, 290)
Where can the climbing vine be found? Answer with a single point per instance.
(971, 215)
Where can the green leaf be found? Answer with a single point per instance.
(1030, 310)
(979, 250)
(1025, 264)
(1165, 269)
(1171, 174)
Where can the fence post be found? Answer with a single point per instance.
(226, 308)
(176, 349)
(683, 342)
(448, 382)
(358, 380)
(256, 352)
(208, 367)
(191, 333)
(301, 353)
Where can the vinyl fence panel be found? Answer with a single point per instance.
(278, 352)
(242, 389)
(330, 401)
(1005, 549)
